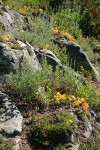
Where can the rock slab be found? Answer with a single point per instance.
(78, 59)
(10, 116)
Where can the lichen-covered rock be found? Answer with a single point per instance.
(11, 59)
(10, 116)
(77, 57)
(12, 21)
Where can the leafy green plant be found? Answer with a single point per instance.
(1, 11)
(50, 129)
(34, 87)
(89, 146)
(5, 146)
(41, 88)
(38, 85)
(88, 93)
(40, 34)
(1, 138)
(68, 21)
(89, 22)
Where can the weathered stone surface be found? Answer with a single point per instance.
(51, 59)
(3, 78)
(12, 21)
(42, 14)
(72, 147)
(11, 59)
(10, 117)
(77, 57)
(88, 131)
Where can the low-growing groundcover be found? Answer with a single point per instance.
(50, 92)
(4, 145)
(60, 88)
(52, 128)
(89, 146)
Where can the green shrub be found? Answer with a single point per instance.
(89, 146)
(1, 11)
(90, 95)
(90, 21)
(50, 129)
(68, 20)
(41, 36)
(26, 83)
(5, 146)
(41, 87)
(1, 138)
(38, 87)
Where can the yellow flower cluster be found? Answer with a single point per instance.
(47, 46)
(79, 102)
(55, 30)
(85, 106)
(69, 122)
(6, 38)
(59, 97)
(72, 98)
(40, 10)
(63, 33)
(24, 10)
(67, 35)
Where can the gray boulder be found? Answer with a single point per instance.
(77, 57)
(12, 21)
(10, 116)
(12, 59)
(51, 59)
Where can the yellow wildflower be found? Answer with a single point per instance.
(77, 103)
(6, 38)
(67, 35)
(69, 122)
(47, 46)
(73, 98)
(25, 7)
(22, 11)
(85, 106)
(40, 10)
(76, 126)
(69, 98)
(82, 100)
(55, 30)
(59, 97)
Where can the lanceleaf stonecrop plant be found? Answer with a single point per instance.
(59, 97)
(76, 102)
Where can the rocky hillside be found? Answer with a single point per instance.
(49, 76)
